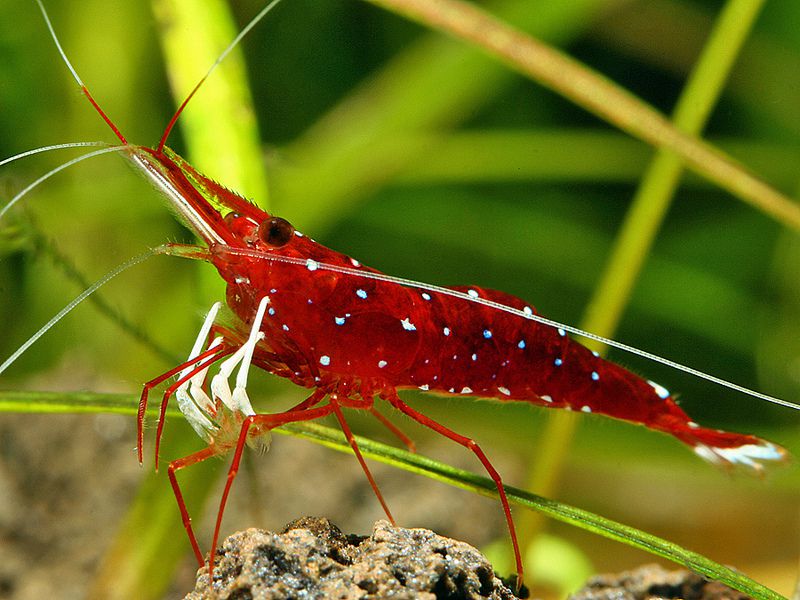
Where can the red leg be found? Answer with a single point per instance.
(153, 383)
(312, 400)
(265, 422)
(476, 449)
(407, 441)
(212, 355)
(352, 441)
(177, 465)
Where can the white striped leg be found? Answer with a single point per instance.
(196, 412)
(220, 388)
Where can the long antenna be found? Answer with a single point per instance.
(80, 298)
(52, 172)
(253, 22)
(63, 146)
(524, 314)
(77, 78)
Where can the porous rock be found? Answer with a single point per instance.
(652, 582)
(312, 559)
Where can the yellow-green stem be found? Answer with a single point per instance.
(643, 222)
(596, 94)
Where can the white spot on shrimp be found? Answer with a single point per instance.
(466, 390)
(312, 265)
(487, 334)
(474, 357)
(427, 361)
(661, 391)
(242, 279)
(595, 376)
(285, 327)
(361, 294)
(325, 360)
(528, 311)
(424, 387)
(310, 301)
(273, 290)
(354, 262)
(595, 354)
(408, 325)
(452, 390)
(338, 320)
(547, 398)
(586, 409)
(472, 293)
(693, 425)
(271, 311)
(382, 363)
(426, 296)
(558, 362)
(297, 233)
(455, 356)
(504, 390)
(521, 344)
(446, 331)
(561, 332)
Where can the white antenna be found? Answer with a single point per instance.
(11, 159)
(519, 313)
(49, 174)
(80, 298)
(58, 44)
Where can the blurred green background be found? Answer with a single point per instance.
(427, 160)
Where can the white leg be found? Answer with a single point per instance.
(240, 399)
(196, 390)
(199, 421)
(219, 383)
(220, 388)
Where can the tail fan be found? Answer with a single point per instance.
(729, 450)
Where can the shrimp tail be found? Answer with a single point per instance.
(729, 450)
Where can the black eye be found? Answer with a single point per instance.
(276, 232)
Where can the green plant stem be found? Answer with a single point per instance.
(596, 94)
(643, 221)
(219, 125)
(653, 198)
(559, 154)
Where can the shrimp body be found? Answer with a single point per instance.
(365, 336)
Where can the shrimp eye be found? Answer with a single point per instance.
(276, 232)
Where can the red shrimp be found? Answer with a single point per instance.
(325, 321)
(353, 335)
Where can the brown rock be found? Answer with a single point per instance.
(651, 582)
(312, 559)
